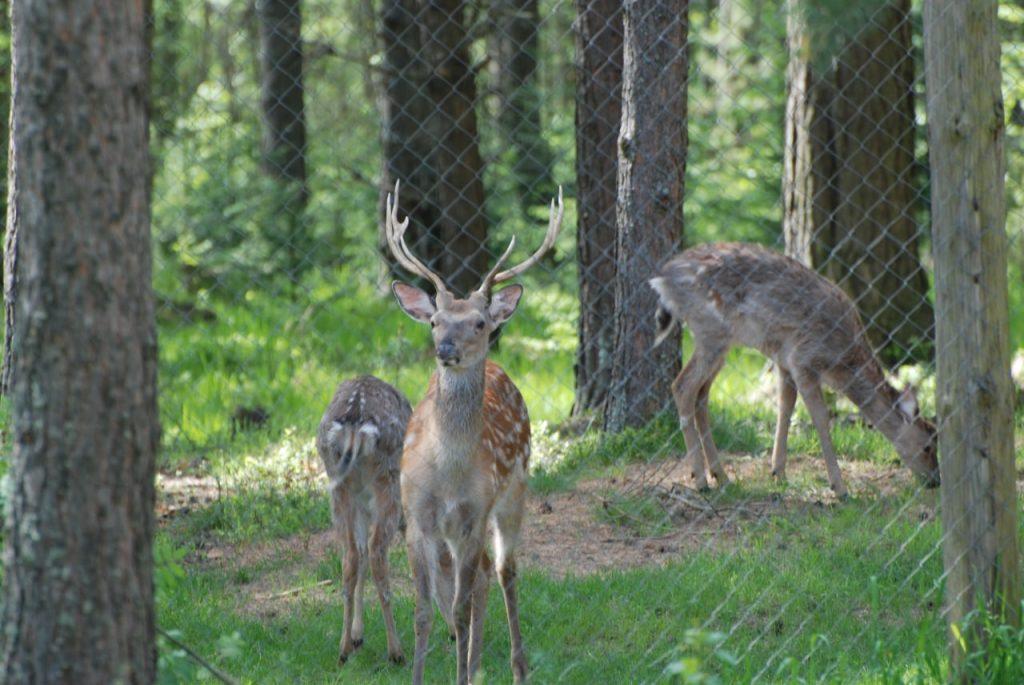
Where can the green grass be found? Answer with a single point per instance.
(844, 594)
(267, 351)
(811, 595)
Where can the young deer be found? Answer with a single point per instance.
(464, 465)
(360, 443)
(734, 294)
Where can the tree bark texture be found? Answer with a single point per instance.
(456, 159)
(10, 235)
(598, 116)
(431, 140)
(516, 38)
(974, 392)
(10, 273)
(850, 195)
(78, 568)
(407, 142)
(651, 172)
(282, 108)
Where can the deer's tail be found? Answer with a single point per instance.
(664, 321)
(349, 442)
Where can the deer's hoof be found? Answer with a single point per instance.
(779, 475)
(357, 643)
(397, 658)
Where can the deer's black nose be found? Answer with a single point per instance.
(446, 351)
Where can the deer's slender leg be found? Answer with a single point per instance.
(467, 569)
(424, 617)
(810, 390)
(361, 553)
(684, 390)
(508, 517)
(380, 540)
(704, 426)
(444, 582)
(344, 524)
(479, 611)
(787, 400)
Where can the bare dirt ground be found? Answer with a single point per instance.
(588, 529)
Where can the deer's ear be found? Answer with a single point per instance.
(414, 302)
(907, 403)
(504, 303)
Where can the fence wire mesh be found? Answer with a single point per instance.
(279, 127)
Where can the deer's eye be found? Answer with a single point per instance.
(433, 324)
(479, 325)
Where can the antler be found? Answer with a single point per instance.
(554, 226)
(394, 232)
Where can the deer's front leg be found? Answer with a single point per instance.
(424, 617)
(467, 570)
(810, 390)
(476, 628)
(787, 400)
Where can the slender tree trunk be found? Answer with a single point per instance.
(516, 38)
(598, 115)
(10, 234)
(455, 158)
(652, 168)
(282, 94)
(78, 568)
(10, 271)
(974, 393)
(851, 199)
(408, 146)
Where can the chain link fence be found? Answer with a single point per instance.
(280, 125)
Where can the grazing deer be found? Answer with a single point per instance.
(734, 294)
(360, 443)
(464, 465)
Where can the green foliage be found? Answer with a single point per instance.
(257, 514)
(999, 658)
(257, 351)
(863, 576)
(698, 648)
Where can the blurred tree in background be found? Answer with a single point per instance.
(851, 191)
(456, 97)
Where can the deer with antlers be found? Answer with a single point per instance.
(464, 463)
(736, 294)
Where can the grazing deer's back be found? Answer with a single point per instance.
(767, 301)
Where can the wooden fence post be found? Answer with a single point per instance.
(965, 126)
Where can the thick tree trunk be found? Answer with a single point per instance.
(850, 193)
(78, 568)
(652, 168)
(282, 95)
(598, 116)
(516, 38)
(456, 159)
(407, 144)
(974, 393)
